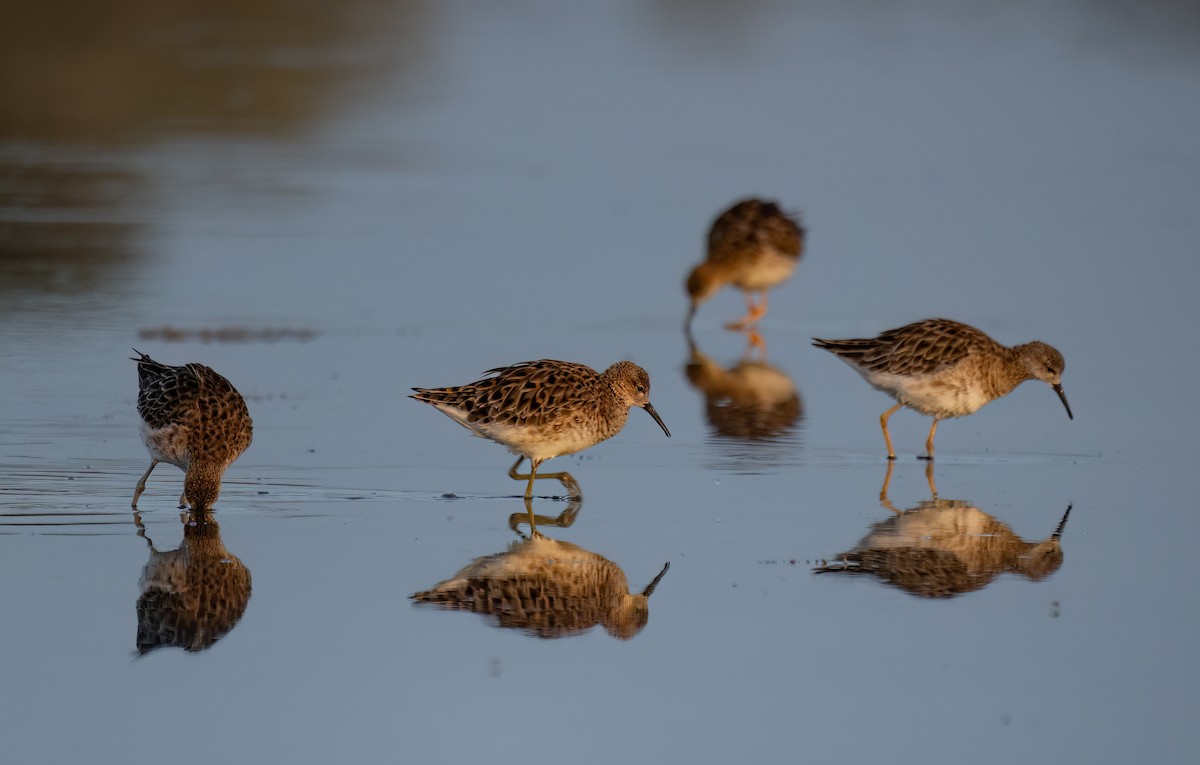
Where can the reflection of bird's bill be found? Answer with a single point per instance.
(1062, 395)
(650, 587)
(1063, 523)
(657, 419)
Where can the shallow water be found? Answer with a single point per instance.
(355, 199)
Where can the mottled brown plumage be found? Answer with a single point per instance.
(194, 595)
(944, 547)
(194, 419)
(944, 368)
(547, 588)
(546, 408)
(751, 401)
(754, 245)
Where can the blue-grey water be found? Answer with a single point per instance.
(332, 203)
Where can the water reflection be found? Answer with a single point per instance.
(64, 234)
(122, 72)
(942, 548)
(88, 90)
(753, 408)
(1140, 33)
(547, 588)
(192, 596)
(562, 520)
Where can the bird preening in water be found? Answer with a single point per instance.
(194, 419)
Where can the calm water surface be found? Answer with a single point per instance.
(332, 204)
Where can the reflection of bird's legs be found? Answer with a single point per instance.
(533, 532)
(568, 481)
(564, 519)
(183, 500)
(883, 421)
(754, 342)
(753, 312)
(883, 496)
(141, 485)
(928, 455)
(929, 477)
(141, 527)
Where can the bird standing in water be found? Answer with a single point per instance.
(754, 245)
(943, 368)
(544, 409)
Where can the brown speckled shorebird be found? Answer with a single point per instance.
(191, 596)
(945, 547)
(194, 419)
(754, 246)
(548, 588)
(943, 368)
(544, 409)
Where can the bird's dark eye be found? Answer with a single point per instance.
(1050, 370)
(641, 388)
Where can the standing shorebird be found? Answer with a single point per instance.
(544, 409)
(943, 368)
(194, 419)
(754, 246)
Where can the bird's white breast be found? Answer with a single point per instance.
(941, 395)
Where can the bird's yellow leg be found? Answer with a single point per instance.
(512, 471)
(754, 312)
(141, 485)
(883, 421)
(928, 455)
(568, 481)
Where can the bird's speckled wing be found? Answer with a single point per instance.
(192, 395)
(920, 348)
(528, 393)
(749, 225)
(167, 395)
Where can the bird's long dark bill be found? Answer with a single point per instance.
(658, 419)
(650, 587)
(1058, 389)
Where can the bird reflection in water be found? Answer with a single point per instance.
(192, 596)
(562, 520)
(945, 547)
(751, 401)
(547, 588)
